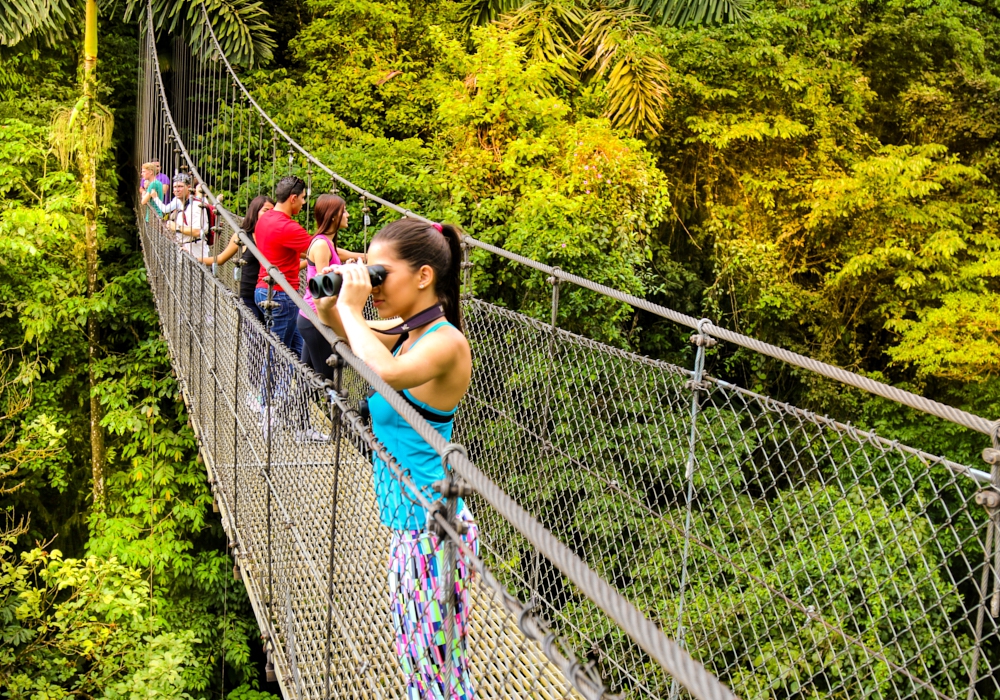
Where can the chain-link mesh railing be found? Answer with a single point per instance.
(795, 556)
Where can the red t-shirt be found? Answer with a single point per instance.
(282, 241)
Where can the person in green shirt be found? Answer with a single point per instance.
(151, 188)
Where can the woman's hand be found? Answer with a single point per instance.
(355, 289)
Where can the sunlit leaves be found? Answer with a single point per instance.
(958, 339)
(84, 627)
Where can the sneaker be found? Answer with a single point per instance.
(311, 435)
(269, 426)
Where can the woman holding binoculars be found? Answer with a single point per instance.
(427, 360)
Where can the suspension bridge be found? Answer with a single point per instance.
(645, 530)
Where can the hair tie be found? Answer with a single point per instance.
(438, 227)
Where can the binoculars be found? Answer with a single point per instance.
(328, 285)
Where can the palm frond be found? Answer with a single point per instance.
(481, 12)
(46, 20)
(681, 12)
(607, 28)
(637, 95)
(85, 130)
(619, 44)
(240, 26)
(549, 30)
(244, 35)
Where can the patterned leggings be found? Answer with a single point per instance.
(416, 594)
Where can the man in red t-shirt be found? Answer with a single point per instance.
(283, 242)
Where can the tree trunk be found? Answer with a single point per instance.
(88, 171)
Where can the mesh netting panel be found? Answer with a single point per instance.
(814, 560)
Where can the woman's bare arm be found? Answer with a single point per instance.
(231, 249)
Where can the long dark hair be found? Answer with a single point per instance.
(421, 244)
(329, 211)
(253, 213)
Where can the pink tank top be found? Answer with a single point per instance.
(311, 269)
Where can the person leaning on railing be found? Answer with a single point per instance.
(283, 241)
(251, 265)
(430, 365)
(152, 191)
(187, 217)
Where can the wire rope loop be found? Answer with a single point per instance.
(525, 611)
(446, 453)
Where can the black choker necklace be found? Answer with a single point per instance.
(424, 317)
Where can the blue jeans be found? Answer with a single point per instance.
(284, 328)
(284, 318)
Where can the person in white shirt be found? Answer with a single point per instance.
(187, 217)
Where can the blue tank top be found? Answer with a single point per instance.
(396, 509)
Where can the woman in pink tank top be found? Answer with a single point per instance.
(331, 216)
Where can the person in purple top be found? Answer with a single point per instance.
(331, 217)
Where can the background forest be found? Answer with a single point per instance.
(821, 175)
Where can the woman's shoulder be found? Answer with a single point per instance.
(449, 334)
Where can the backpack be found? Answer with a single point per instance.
(208, 209)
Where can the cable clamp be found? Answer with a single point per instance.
(702, 340)
(335, 360)
(438, 507)
(453, 486)
(989, 498)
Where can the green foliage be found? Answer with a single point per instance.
(480, 140)
(155, 543)
(84, 627)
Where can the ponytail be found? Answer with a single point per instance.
(449, 285)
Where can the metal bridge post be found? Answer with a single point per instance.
(547, 447)
(269, 305)
(703, 341)
(989, 499)
(337, 419)
(366, 220)
(189, 324)
(466, 269)
(215, 376)
(202, 332)
(236, 423)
